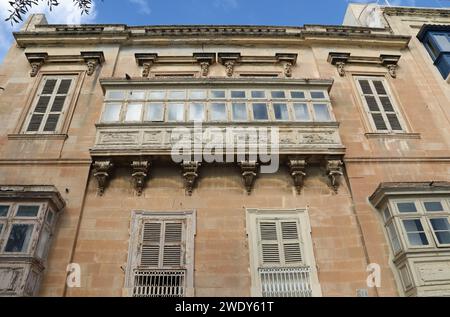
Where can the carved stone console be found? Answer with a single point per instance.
(36, 61)
(93, 60)
(229, 60)
(139, 172)
(288, 61)
(146, 61)
(249, 171)
(205, 60)
(190, 174)
(340, 60)
(102, 171)
(334, 172)
(297, 166)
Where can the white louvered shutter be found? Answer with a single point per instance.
(379, 105)
(163, 244)
(50, 105)
(280, 243)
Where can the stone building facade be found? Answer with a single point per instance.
(354, 118)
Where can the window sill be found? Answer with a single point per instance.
(37, 136)
(378, 135)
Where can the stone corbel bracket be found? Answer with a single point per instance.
(146, 61)
(391, 63)
(229, 60)
(93, 60)
(36, 61)
(334, 172)
(288, 61)
(190, 175)
(339, 60)
(139, 173)
(249, 170)
(297, 168)
(102, 171)
(205, 60)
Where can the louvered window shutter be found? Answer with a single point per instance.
(280, 243)
(50, 105)
(379, 105)
(163, 244)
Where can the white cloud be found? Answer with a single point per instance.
(144, 7)
(65, 13)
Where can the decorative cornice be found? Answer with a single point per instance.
(47, 192)
(443, 13)
(395, 189)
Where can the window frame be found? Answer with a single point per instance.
(66, 111)
(392, 98)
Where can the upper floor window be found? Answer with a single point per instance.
(379, 105)
(436, 39)
(216, 105)
(50, 105)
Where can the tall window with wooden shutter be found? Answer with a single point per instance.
(381, 110)
(282, 258)
(161, 255)
(50, 105)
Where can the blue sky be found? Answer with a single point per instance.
(150, 12)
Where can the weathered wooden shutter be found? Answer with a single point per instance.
(50, 105)
(379, 104)
(280, 243)
(162, 244)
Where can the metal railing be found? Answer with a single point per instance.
(286, 282)
(159, 283)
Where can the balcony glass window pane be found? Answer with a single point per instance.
(443, 42)
(433, 206)
(49, 218)
(217, 94)
(239, 112)
(115, 95)
(197, 94)
(415, 232)
(406, 207)
(317, 95)
(196, 112)
(157, 95)
(176, 112)
(137, 95)
(4, 210)
(218, 112)
(260, 111)
(27, 211)
(19, 238)
(441, 228)
(258, 94)
(297, 95)
(281, 112)
(177, 94)
(155, 112)
(301, 112)
(237, 94)
(394, 238)
(321, 112)
(278, 94)
(134, 112)
(112, 112)
(1, 228)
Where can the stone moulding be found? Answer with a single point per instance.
(36, 61)
(93, 60)
(340, 60)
